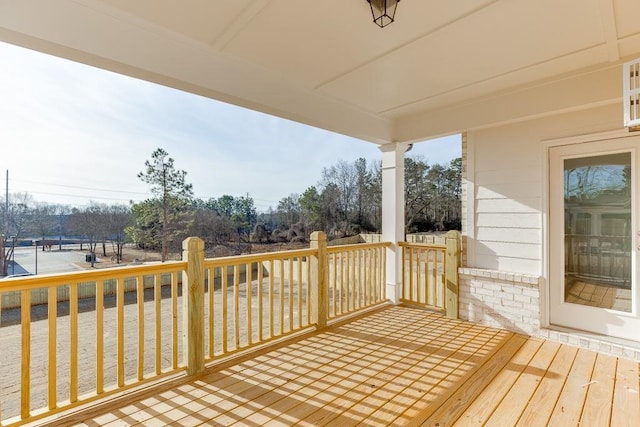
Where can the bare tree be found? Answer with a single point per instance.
(14, 218)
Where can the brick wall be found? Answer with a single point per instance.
(500, 299)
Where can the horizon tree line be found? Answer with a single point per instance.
(346, 201)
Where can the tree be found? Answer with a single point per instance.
(289, 210)
(89, 222)
(310, 203)
(14, 217)
(416, 196)
(239, 211)
(119, 217)
(43, 221)
(170, 188)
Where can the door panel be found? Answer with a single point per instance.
(593, 230)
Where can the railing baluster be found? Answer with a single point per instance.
(157, 301)
(25, 380)
(434, 277)
(333, 280)
(342, 283)
(100, 336)
(300, 264)
(73, 347)
(236, 305)
(174, 315)
(281, 299)
(120, 333)
(140, 301)
(209, 274)
(225, 303)
(354, 282)
(249, 279)
(271, 298)
(260, 302)
(52, 306)
(308, 294)
(290, 298)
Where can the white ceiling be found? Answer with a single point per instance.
(444, 66)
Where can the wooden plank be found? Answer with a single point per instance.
(510, 409)
(569, 405)
(626, 401)
(457, 402)
(320, 375)
(379, 362)
(483, 406)
(418, 373)
(541, 405)
(434, 388)
(597, 406)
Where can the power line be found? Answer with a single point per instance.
(75, 195)
(81, 187)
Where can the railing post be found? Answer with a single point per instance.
(193, 304)
(452, 263)
(320, 292)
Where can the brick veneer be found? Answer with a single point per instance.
(501, 299)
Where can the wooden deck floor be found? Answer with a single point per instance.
(398, 366)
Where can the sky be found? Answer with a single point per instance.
(71, 134)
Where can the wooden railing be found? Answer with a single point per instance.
(430, 274)
(86, 346)
(356, 279)
(606, 258)
(103, 331)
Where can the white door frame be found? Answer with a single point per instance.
(547, 146)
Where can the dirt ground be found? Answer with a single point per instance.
(133, 255)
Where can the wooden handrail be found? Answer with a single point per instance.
(268, 295)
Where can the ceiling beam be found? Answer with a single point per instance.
(607, 13)
(573, 93)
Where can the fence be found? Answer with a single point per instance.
(430, 274)
(61, 354)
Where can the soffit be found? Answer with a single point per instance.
(325, 63)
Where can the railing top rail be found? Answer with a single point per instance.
(265, 256)
(422, 245)
(56, 279)
(357, 246)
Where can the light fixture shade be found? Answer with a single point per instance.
(383, 11)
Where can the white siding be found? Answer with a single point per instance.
(508, 184)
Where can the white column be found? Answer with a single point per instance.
(393, 214)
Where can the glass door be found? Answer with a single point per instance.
(594, 238)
